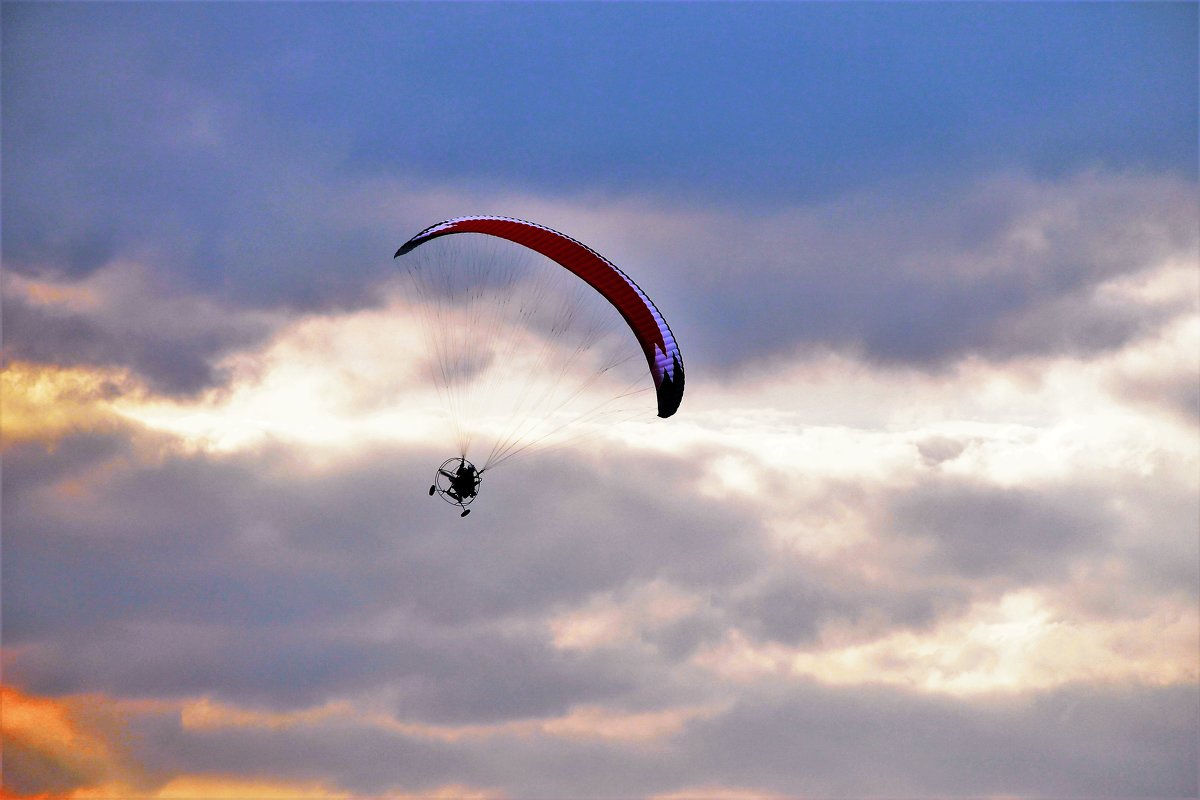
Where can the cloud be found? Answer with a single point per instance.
(81, 747)
(916, 96)
(350, 583)
(925, 524)
(44, 403)
(1005, 268)
(881, 741)
(983, 531)
(802, 739)
(1002, 264)
(335, 622)
(580, 723)
(783, 526)
(717, 792)
(232, 203)
(57, 745)
(1163, 374)
(1014, 644)
(124, 317)
(766, 744)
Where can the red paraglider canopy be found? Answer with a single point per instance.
(651, 330)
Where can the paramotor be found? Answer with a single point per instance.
(524, 318)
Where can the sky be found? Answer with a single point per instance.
(924, 525)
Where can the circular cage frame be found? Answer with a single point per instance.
(441, 482)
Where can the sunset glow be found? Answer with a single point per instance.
(925, 523)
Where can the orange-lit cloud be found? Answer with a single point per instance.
(43, 403)
(67, 296)
(59, 745)
(71, 749)
(607, 621)
(581, 722)
(595, 722)
(204, 713)
(190, 787)
(719, 793)
(225, 787)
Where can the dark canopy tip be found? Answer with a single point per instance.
(670, 391)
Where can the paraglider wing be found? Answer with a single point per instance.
(651, 330)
